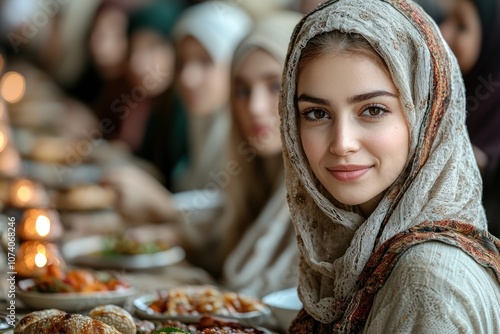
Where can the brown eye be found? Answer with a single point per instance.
(374, 112)
(315, 114)
(318, 114)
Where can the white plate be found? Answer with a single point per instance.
(143, 311)
(83, 252)
(70, 302)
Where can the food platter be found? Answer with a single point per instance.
(145, 310)
(87, 252)
(70, 302)
(210, 323)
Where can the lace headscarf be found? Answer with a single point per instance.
(440, 184)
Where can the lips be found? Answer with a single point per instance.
(346, 173)
(261, 130)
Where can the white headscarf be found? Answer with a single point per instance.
(441, 180)
(219, 26)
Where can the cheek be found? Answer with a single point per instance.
(313, 145)
(217, 82)
(392, 147)
(241, 117)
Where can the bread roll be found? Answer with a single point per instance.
(69, 324)
(32, 317)
(114, 316)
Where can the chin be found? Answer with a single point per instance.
(265, 151)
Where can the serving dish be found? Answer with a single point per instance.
(190, 306)
(285, 305)
(210, 323)
(71, 301)
(88, 252)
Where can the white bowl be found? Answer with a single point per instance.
(285, 305)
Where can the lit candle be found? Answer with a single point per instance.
(41, 256)
(38, 224)
(35, 257)
(28, 194)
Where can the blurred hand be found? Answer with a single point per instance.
(141, 197)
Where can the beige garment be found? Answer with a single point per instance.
(445, 290)
(443, 183)
(265, 258)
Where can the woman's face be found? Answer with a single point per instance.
(255, 101)
(203, 84)
(150, 53)
(109, 41)
(352, 127)
(462, 31)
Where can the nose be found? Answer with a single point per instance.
(258, 102)
(190, 75)
(344, 138)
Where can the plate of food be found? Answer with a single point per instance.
(74, 290)
(122, 251)
(190, 303)
(205, 325)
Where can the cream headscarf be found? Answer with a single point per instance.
(260, 252)
(441, 180)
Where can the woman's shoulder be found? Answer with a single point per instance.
(441, 265)
(437, 288)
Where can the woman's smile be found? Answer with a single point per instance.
(348, 173)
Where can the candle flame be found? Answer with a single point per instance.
(42, 225)
(41, 256)
(40, 260)
(12, 87)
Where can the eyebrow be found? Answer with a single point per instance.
(265, 76)
(350, 100)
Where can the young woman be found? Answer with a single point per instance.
(262, 255)
(382, 185)
(255, 240)
(472, 30)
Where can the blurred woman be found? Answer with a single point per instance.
(472, 29)
(206, 36)
(148, 116)
(257, 244)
